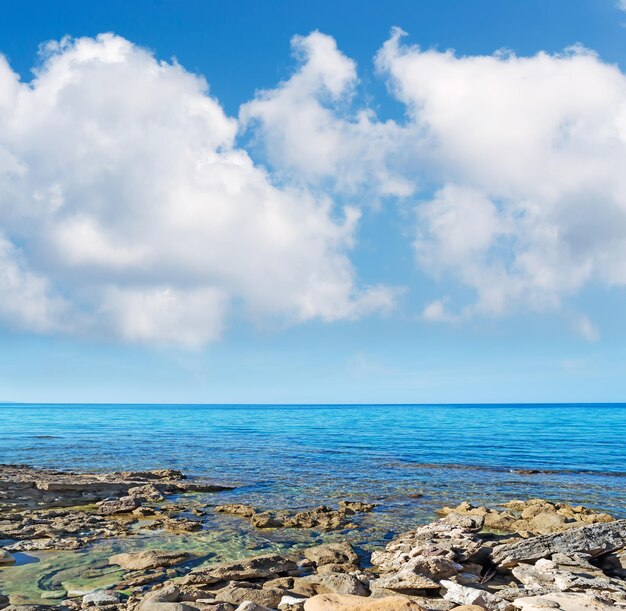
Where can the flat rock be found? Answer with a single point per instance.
(563, 601)
(258, 567)
(595, 539)
(148, 559)
(100, 598)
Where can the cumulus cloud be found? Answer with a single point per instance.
(310, 131)
(529, 155)
(128, 210)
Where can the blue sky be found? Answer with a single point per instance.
(347, 216)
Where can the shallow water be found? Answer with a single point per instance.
(409, 459)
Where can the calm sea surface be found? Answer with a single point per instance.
(409, 459)
(296, 456)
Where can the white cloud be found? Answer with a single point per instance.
(529, 156)
(129, 211)
(621, 5)
(310, 132)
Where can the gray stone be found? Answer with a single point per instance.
(595, 539)
(100, 598)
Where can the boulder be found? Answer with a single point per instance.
(149, 559)
(595, 540)
(331, 553)
(258, 567)
(236, 594)
(338, 583)
(164, 599)
(345, 602)
(467, 595)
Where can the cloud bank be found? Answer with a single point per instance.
(130, 208)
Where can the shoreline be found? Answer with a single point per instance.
(460, 558)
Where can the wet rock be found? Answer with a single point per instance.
(101, 598)
(6, 557)
(595, 539)
(357, 506)
(266, 519)
(4, 601)
(258, 567)
(236, 509)
(332, 553)
(345, 602)
(149, 559)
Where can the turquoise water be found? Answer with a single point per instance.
(410, 459)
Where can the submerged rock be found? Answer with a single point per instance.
(149, 559)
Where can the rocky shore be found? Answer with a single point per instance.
(527, 555)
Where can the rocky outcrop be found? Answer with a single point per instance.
(595, 539)
(321, 518)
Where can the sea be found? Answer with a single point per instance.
(408, 459)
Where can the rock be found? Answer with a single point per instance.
(53, 594)
(4, 601)
(338, 583)
(545, 523)
(6, 557)
(236, 594)
(149, 559)
(266, 519)
(125, 504)
(468, 608)
(250, 606)
(100, 598)
(258, 567)
(467, 595)
(563, 601)
(466, 522)
(345, 602)
(163, 599)
(332, 553)
(147, 492)
(595, 539)
(236, 509)
(357, 506)
(291, 603)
